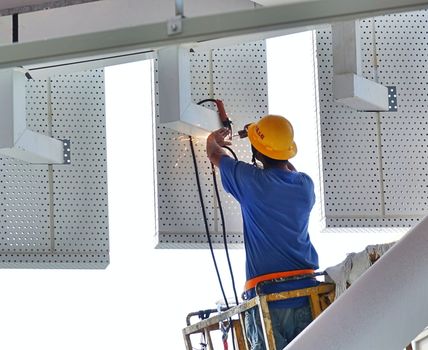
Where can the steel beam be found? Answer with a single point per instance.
(385, 308)
(176, 109)
(151, 36)
(349, 87)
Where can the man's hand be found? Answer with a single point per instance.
(219, 136)
(215, 141)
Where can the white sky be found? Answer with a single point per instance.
(140, 301)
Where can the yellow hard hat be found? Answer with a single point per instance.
(273, 137)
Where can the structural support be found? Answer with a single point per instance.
(152, 36)
(349, 87)
(16, 140)
(176, 109)
(360, 93)
(385, 309)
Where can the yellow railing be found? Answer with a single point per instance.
(320, 298)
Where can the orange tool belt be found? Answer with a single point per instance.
(250, 284)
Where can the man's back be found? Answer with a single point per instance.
(275, 208)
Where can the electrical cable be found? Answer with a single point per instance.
(227, 123)
(213, 100)
(204, 214)
(223, 223)
(226, 249)
(231, 151)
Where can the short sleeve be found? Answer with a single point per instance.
(233, 174)
(309, 184)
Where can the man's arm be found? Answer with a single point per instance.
(215, 141)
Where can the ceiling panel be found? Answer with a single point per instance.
(8, 7)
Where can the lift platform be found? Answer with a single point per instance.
(320, 298)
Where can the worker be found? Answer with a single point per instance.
(276, 201)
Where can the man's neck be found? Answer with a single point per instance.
(280, 166)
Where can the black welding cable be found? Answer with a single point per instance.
(231, 151)
(207, 100)
(220, 207)
(223, 224)
(226, 249)
(204, 214)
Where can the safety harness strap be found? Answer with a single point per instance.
(250, 284)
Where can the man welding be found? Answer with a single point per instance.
(276, 201)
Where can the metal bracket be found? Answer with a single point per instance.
(392, 99)
(175, 25)
(67, 151)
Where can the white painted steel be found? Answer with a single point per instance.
(56, 217)
(17, 140)
(346, 45)
(80, 190)
(384, 309)
(41, 71)
(236, 75)
(35, 148)
(402, 56)
(375, 164)
(176, 109)
(10, 107)
(349, 87)
(5, 30)
(112, 14)
(360, 93)
(14, 6)
(143, 35)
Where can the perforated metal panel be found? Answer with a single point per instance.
(374, 164)
(56, 216)
(236, 75)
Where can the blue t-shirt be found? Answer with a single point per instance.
(275, 207)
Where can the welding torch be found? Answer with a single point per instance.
(242, 134)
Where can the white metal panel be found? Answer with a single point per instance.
(402, 54)
(24, 209)
(374, 163)
(110, 14)
(236, 75)
(80, 190)
(7, 4)
(56, 217)
(8, 7)
(349, 146)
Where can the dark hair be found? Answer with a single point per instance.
(273, 163)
